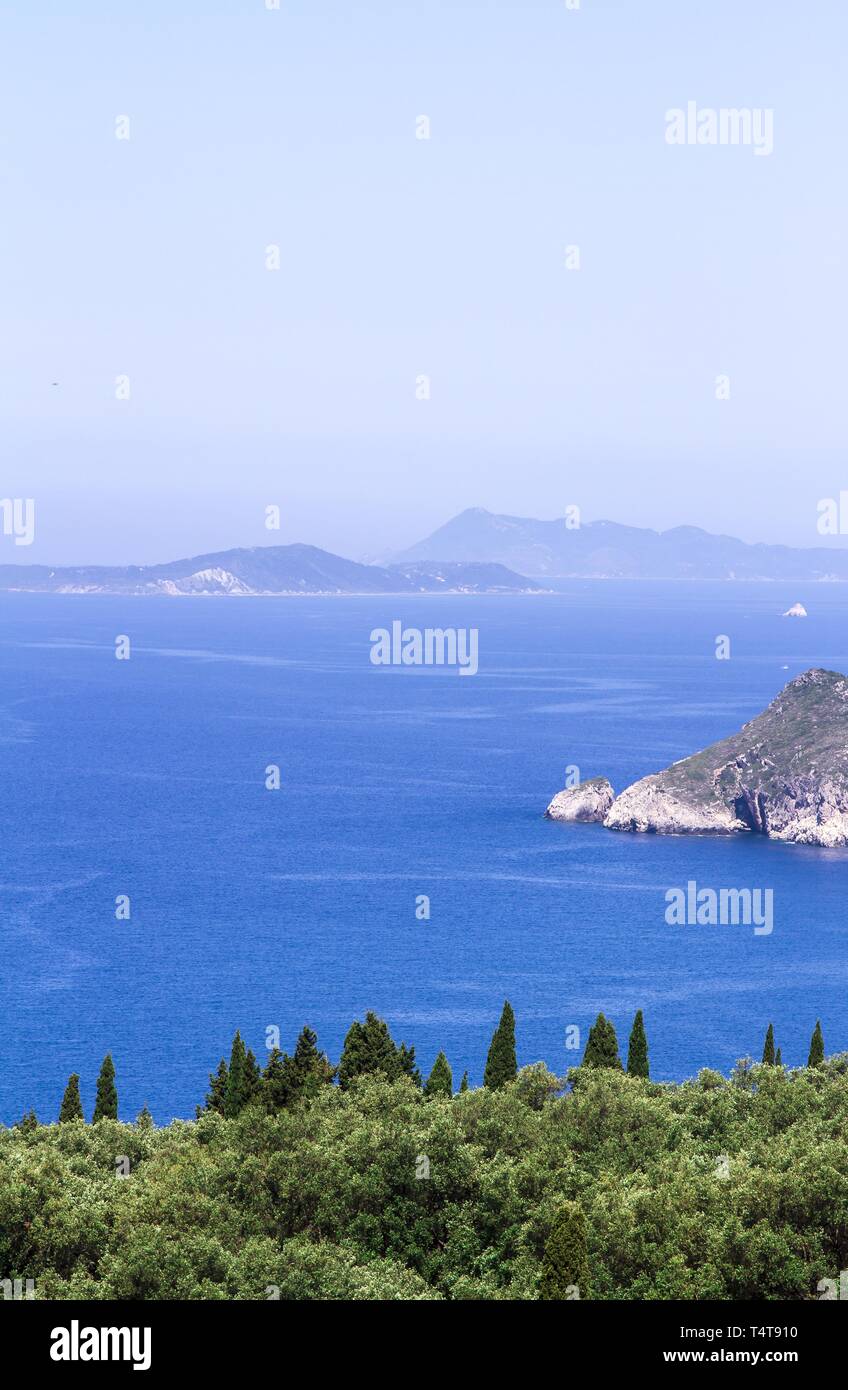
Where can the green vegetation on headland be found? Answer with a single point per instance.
(308, 1181)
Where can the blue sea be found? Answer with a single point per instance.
(255, 909)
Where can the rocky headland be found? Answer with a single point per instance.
(783, 775)
(590, 801)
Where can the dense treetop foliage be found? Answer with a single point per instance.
(600, 1185)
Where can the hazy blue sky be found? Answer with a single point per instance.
(401, 256)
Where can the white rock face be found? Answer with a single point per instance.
(209, 581)
(796, 611)
(783, 775)
(589, 802)
(649, 805)
(804, 811)
(811, 811)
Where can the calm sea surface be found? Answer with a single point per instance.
(253, 908)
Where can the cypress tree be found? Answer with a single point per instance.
(816, 1056)
(28, 1122)
(306, 1054)
(313, 1069)
(71, 1104)
(369, 1050)
(768, 1047)
(353, 1054)
(637, 1051)
(406, 1064)
(501, 1064)
(440, 1080)
(252, 1077)
(379, 1050)
(352, 1060)
(288, 1079)
(144, 1119)
(602, 1045)
(217, 1094)
(778, 1061)
(463, 1085)
(275, 1081)
(235, 1096)
(565, 1266)
(106, 1102)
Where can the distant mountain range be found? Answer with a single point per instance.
(606, 550)
(273, 569)
(475, 553)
